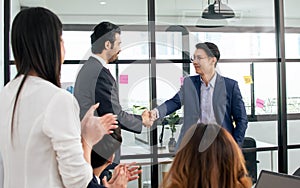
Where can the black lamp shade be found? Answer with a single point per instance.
(218, 10)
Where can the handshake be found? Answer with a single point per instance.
(149, 117)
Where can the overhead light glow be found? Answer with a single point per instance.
(102, 3)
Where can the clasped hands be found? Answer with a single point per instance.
(94, 128)
(149, 117)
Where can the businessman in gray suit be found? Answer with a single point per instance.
(208, 98)
(95, 84)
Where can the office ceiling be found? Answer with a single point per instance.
(185, 12)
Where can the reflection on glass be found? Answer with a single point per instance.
(293, 160)
(265, 88)
(293, 91)
(168, 45)
(254, 45)
(242, 69)
(134, 45)
(292, 45)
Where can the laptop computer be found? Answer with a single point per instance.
(269, 179)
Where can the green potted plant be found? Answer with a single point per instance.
(171, 121)
(138, 109)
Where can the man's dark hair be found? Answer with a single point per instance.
(210, 49)
(105, 31)
(105, 148)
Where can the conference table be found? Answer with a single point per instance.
(165, 163)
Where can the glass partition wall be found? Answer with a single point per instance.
(158, 38)
(292, 53)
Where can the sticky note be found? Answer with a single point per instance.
(260, 103)
(181, 80)
(123, 79)
(248, 79)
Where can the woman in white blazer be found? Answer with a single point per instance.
(42, 141)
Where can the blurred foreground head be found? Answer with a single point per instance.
(208, 157)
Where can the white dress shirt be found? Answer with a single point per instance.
(207, 115)
(101, 60)
(46, 149)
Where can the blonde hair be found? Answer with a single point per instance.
(220, 165)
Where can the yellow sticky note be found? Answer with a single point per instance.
(248, 79)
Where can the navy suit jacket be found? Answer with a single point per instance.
(228, 106)
(94, 183)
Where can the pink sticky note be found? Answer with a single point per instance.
(123, 79)
(260, 103)
(181, 80)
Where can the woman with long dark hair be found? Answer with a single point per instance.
(42, 141)
(208, 157)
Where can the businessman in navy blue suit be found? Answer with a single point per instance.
(209, 98)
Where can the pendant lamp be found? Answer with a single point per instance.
(217, 10)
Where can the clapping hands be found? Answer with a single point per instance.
(122, 174)
(93, 128)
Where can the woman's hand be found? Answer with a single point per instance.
(118, 180)
(93, 128)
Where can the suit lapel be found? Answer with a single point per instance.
(108, 72)
(219, 99)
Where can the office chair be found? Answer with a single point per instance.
(297, 172)
(250, 158)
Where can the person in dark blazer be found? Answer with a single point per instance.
(208, 98)
(102, 155)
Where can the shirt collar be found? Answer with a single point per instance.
(212, 81)
(98, 179)
(101, 60)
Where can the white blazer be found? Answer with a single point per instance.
(45, 149)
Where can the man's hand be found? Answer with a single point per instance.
(153, 115)
(147, 121)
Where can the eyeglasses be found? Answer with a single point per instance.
(197, 58)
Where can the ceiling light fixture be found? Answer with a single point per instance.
(217, 10)
(102, 3)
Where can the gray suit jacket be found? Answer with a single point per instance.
(95, 84)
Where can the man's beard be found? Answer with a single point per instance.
(113, 58)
